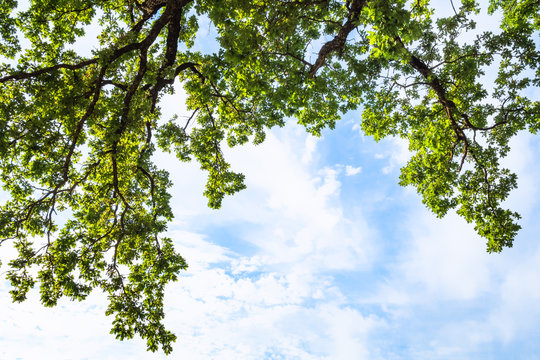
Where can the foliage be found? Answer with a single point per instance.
(77, 133)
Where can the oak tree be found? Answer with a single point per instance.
(77, 132)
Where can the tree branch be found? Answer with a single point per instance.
(338, 42)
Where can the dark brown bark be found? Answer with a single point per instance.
(338, 42)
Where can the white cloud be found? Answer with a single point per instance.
(517, 310)
(397, 153)
(446, 258)
(277, 300)
(200, 252)
(351, 170)
(523, 161)
(295, 214)
(269, 314)
(309, 149)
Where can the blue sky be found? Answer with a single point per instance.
(323, 256)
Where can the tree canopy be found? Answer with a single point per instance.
(77, 132)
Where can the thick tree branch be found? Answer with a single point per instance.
(338, 42)
(33, 74)
(80, 125)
